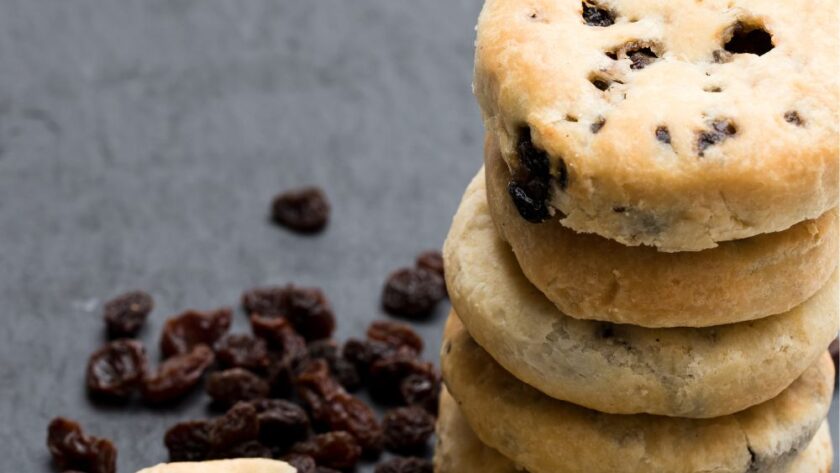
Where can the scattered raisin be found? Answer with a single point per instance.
(280, 336)
(793, 117)
(177, 375)
(303, 210)
(387, 374)
(281, 423)
(249, 449)
(116, 370)
(412, 292)
(183, 332)
(342, 370)
(663, 134)
(407, 429)
(431, 261)
(595, 16)
(301, 463)
(337, 449)
(747, 39)
(362, 354)
(307, 309)
(234, 385)
(332, 406)
(405, 465)
(721, 129)
(72, 449)
(238, 425)
(242, 351)
(395, 334)
(188, 441)
(126, 313)
(421, 389)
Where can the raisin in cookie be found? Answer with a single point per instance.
(460, 450)
(545, 435)
(674, 124)
(243, 465)
(591, 277)
(686, 372)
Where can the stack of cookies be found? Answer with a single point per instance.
(643, 275)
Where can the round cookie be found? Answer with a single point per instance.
(651, 122)
(459, 449)
(685, 372)
(545, 435)
(591, 277)
(242, 465)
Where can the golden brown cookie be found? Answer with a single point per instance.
(675, 124)
(545, 435)
(591, 277)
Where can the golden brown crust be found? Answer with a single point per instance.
(535, 62)
(545, 435)
(591, 277)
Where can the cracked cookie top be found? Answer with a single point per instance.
(673, 124)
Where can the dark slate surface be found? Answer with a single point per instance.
(141, 141)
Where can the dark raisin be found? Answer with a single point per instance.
(242, 351)
(177, 376)
(301, 463)
(421, 389)
(663, 135)
(342, 370)
(534, 160)
(606, 330)
(250, 449)
(600, 84)
(337, 449)
(323, 469)
(281, 337)
(793, 117)
(72, 449)
(747, 39)
(126, 314)
(188, 441)
(362, 354)
(307, 309)
(720, 129)
(595, 16)
(332, 406)
(116, 370)
(407, 429)
(183, 332)
(238, 425)
(282, 423)
(641, 57)
(387, 374)
(405, 465)
(231, 386)
(412, 292)
(303, 210)
(834, 350)
(596, 126)
(432, 261)
(531, 208)
(324, 349)
(395, 334)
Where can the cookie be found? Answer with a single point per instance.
(686, 372)
(545, 435)
(591, 277)
(242, 465)
(460, 450)
(674, 124)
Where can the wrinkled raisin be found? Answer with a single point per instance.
(281, 422)
(387, 374)
(238, 425)
(332, 406)
(362, 354)
(303, 210)
(186, 330)
(242, 351)
(72, 449)
(249, 449)
(407, 429)
(595, 16)
(307, 309)
(720, 129)
(301, 463)
(116, 370)
(323, 469)
(529, 188)
(342, 370)
(236, 384)
(280, 336)
(177, 375)
(412, 292)
(188, 441)
(405, 465)
(422, 390)
(126, 313)
(395, 334)
(337, 449)
(431, 261)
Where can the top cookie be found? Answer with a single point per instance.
(674, 124)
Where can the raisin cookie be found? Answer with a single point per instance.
(242, 465)
(686, 372)
(591, 277)
(674, 124)
(460, 450)
(545, 435)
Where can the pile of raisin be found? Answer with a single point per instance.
(414, 292)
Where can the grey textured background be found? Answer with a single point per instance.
(141, 141)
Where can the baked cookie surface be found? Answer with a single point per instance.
(674, 124)
(591, 277)
(685, 372)
(242, 465)
(545, 435)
